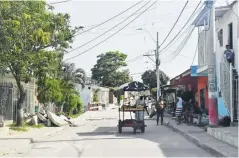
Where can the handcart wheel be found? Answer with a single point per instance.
(135, 130)
(120, 127)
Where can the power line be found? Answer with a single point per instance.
(108, 30)
(138, 57)
(60, 2)
(181, 46)
(231, 9)
(93, 25)
(134, 59)
(112, 34)
(110, 18)
(195, 50)
(195, 54)
(193, 13)
(174, 23)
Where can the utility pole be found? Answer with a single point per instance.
(157, 63)
(212, 88)
(157, 68)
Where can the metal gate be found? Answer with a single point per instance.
(6, 100)
(235, 96)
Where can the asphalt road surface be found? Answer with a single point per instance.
(97, 136)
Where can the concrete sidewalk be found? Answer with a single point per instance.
(199, 137)
(20, 142)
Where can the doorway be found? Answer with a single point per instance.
(202, 98)
(230, 35)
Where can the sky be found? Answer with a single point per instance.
(132, 41)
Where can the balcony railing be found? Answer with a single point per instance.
(229, 87)
(225, 81)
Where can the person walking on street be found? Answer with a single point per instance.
(179, 108)
(160, 110)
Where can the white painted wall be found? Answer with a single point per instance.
(222, 23)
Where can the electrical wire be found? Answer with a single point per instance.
(110, 18)
(112, 34)
(60, 2)
(181, 46)
(134, 59)
(138, 57)
(231, 9)
(195, 54)
(192, 15)
(93, 25)
(109, 29)
(176, 39)
(175, 23)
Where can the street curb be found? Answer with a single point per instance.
(56, 131)
(196, 141)
(32, 140)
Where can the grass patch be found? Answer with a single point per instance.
(37, 126)
(24, 127)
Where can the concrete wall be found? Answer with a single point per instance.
(223, 23)
(103, 95)
(31, 99)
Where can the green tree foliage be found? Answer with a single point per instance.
(149, 78)
(73, 75)
(30, 33)
(96, 95)
(106, 70)
(50, 91)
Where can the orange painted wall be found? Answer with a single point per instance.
(202, 83)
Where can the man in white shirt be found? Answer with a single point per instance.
(139, 114)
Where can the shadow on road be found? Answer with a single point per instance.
(169, 142)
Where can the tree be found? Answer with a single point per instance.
(30, 31)
(149, 78)
(50, 92)
(105, 71)
(73, 75)
(118, 78)
(70, 77)
(70, 97)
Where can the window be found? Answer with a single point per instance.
(220, 37)
(230, 35)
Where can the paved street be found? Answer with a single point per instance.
(98, 137)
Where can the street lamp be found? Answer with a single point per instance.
(140, 29)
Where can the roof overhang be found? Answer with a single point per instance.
(203, 16)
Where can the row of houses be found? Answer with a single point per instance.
(9, 96)
(227, 33)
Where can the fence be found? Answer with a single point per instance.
(8, 99)
(225, 82)
(235, 96)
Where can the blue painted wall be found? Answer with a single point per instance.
(222, 110)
